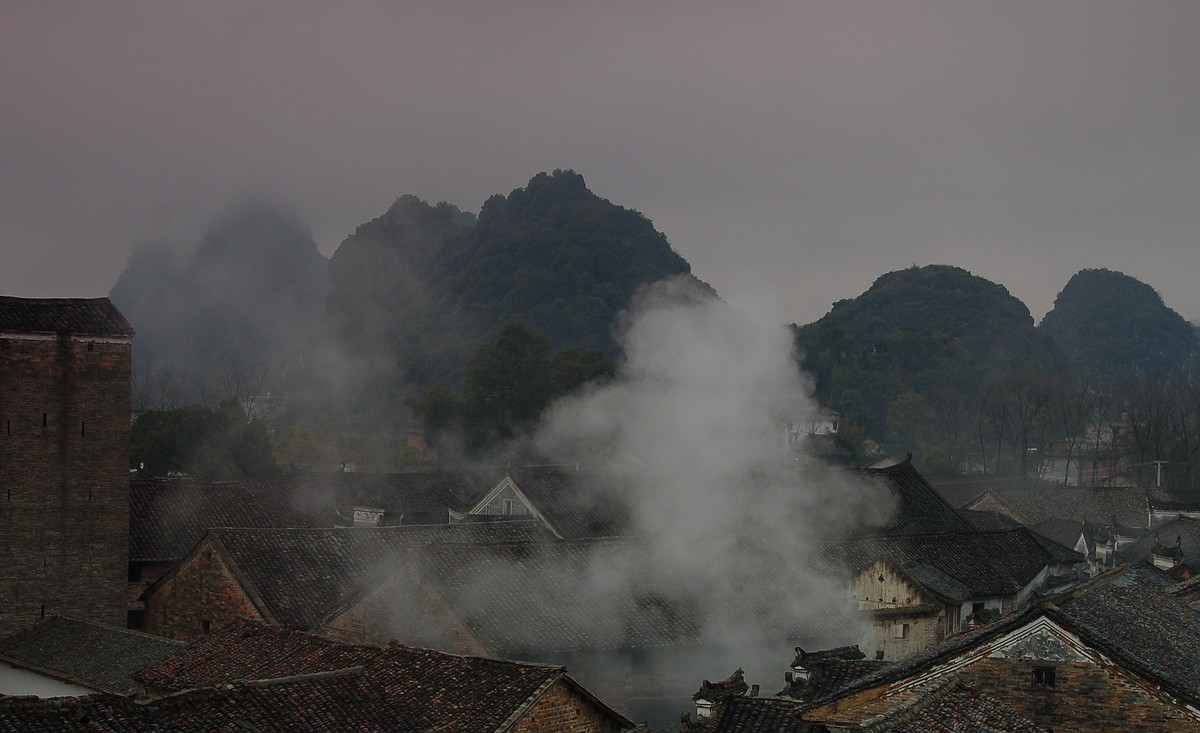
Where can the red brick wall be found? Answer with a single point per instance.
(202, 590)
(64, 478)
(1085, 697)
(563, 710)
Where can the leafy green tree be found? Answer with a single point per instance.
(204, 442)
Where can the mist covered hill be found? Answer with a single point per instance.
(1117, 325)
(422, 285)
(238, 306)
(922, 330)
(410, 294)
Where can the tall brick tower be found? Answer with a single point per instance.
(64, 460)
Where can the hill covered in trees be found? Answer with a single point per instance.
(1116, 325)
(927, 331)
(414, 291)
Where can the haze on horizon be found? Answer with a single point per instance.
(792, 152)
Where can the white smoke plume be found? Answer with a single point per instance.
(690, 431)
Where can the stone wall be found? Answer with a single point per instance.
(64, 477)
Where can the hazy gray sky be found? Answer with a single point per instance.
(791, 151)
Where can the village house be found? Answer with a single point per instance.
(919, 589)
(168, 516)
(267, 679)
(64, 460)
(1114, 654)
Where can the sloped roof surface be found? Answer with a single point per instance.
(1174, 501)
(1033, 506)
(1065, 532)
(983, 563)
(580, 504)
(89, 654)
(168, 515)
(919, 508)
(988, 521)
(252, 651)
(404, 495)
(94, 316)
(347, 688)
(758, 715)
(1184, 529)
(302, 575)
(953, 708)
(1132, 615)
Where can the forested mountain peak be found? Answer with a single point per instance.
(920, 330)
(416, 289)
(1115, 323)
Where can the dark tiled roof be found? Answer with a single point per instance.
(919, 508)
(94, 316)
(424, 689)
(579, 504)
(988, 521)
(829, 671)
(1032, 506)
(1185, 530)
(1130, 614)
(167, 517)
(952, 708)
(962, 490)
(408, 497)
(1174, 501)
(734, 684)
(344, 701)
(251, 651)
(758, 715)
(979, 564)
(1065, 532)
(302, 576)
(85, 653)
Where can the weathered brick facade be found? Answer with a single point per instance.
(1083, 695)
(562, 709)
(64, 457)
(201, 596)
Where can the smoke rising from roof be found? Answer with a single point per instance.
(689, 432)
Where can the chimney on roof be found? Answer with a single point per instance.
(753, 690)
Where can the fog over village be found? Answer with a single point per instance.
(803, 368)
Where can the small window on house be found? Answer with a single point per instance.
(977, 608)
(205, 625)
(91, 345)
(45, 420)
(508, 506)
(900, 631)
(82, 429)
(1043, 676)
